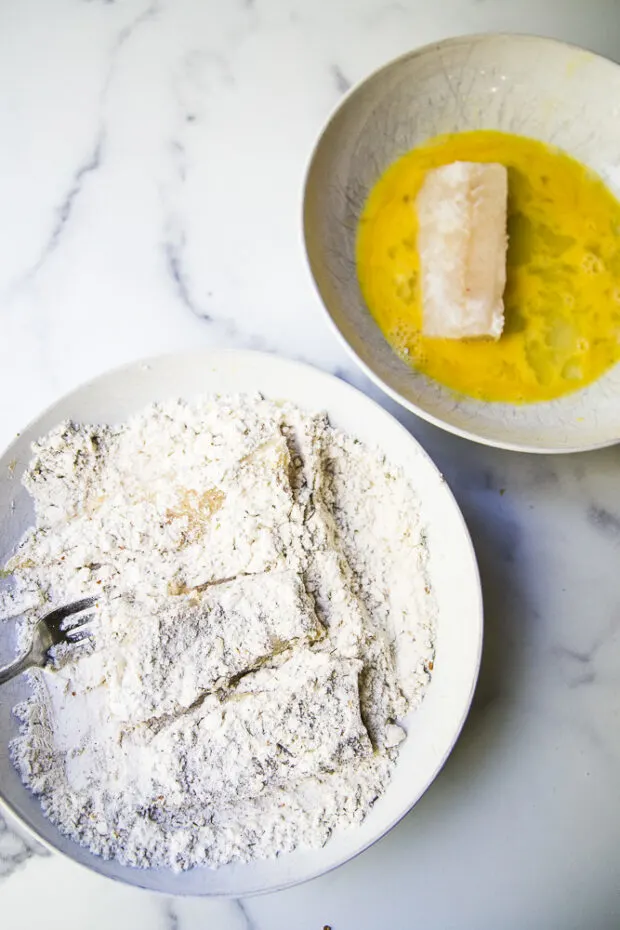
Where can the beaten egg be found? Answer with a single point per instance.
(562, 297)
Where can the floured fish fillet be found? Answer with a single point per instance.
(281, 725)
(221, 516)
(243, 530)
(206, 638)
(461, 211)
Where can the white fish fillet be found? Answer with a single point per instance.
(311, 728)
(199, 635)
(461, 211)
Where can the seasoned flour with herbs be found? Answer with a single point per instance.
(264, 621)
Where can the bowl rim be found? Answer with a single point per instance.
(474, 37)
(243, 357)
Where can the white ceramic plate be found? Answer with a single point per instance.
(432, 730)
(535, 87)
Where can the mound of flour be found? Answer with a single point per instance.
(264, 620)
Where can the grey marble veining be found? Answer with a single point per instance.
(15, 849)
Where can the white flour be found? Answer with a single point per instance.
(264, 620)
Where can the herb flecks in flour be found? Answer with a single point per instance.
(265, 620)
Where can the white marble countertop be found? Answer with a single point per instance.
(150, 179)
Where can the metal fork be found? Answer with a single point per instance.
(51, 631)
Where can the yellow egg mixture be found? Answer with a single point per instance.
(562, 297)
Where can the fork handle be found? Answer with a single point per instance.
(7, 672)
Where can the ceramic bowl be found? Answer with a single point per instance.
(432, 729)
(536, 87)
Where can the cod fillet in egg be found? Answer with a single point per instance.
(461, 211)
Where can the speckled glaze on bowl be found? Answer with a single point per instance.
(557, 93)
